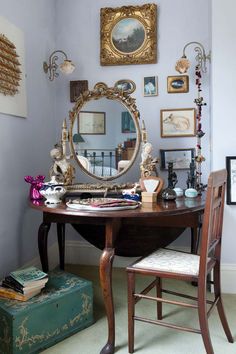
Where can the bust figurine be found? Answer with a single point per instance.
(148, 163)
(61, 169)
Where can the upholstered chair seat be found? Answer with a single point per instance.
(166, 260)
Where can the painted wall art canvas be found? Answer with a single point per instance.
(128, 35)
(12, 70)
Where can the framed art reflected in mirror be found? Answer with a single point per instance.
(92, 123)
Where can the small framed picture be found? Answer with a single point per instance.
(92, 123)
(231, 179)
(126, 85)
(127, 123)
(150, 86)
(181, 158)
(179, 122)
(76, 88)
(178, 84)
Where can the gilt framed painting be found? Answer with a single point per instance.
(178, 84)
(128, 35)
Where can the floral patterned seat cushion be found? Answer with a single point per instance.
(170, 261)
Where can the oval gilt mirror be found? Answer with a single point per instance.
(104, 132)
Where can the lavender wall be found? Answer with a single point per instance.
(179, 22)
(223, 109)
(25, 142)
(74, 26)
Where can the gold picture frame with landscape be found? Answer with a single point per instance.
(128, 35)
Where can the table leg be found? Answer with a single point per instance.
(106, 261)
(61, 244)
(194, 240)
(42, 244)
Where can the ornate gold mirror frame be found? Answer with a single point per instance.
(101, 90)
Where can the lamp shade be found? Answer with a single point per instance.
(77, 138)
(67, 67)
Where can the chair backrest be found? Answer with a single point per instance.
(213, 218)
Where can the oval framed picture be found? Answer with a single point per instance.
(126, 86)
(128, 35)
(178, 84)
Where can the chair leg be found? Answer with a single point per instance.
(220, 307)
(131, 305)
(203, 321)
(159, 294)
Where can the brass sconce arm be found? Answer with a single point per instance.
(183, 64)
(67, 67)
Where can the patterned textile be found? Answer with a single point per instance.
(171, 261)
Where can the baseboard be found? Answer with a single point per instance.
(228, 278)
(82, 252)
(53, 259)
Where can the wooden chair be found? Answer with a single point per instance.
(165, 263)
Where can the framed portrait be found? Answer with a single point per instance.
(179, 122)
(231, 179)
(181, 158)
(150, 86)
(76, 88)
(92, 123)
(128, 35)
(178, 84)
(127, 123)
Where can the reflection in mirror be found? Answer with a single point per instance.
(105, 134)
(107, 137)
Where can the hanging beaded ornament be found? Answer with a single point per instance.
(199, 157)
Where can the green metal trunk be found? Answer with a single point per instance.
(64, 307)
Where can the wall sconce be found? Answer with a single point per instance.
(183, 64)
(67, 67)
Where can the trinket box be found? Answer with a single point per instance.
(64, 307)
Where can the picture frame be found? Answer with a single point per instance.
(125, 85)
(178, 122)
(150, 86)
(128, 35)
(127, 123)
(92, 123)
(178, 84)
(231, 180)
(76, 88)
(181, 158)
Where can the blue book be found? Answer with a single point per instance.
(29, 276)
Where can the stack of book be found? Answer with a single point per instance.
(23, 284)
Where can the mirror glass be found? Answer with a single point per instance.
(105, 137)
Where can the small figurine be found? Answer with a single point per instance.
(191, 181)
(172, 177)
(169, 193)
(36, 184)
(61, 169)
(148, 163)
